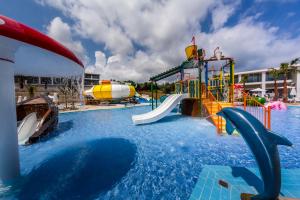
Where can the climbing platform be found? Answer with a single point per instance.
(224, 182)
(212, 108)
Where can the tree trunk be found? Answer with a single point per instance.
(285, 90)
(275, 90)
(66, 102)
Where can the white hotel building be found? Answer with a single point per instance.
(263, 79)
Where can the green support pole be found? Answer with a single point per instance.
(152, 103)
(200, 86)
(155, 95)
(200, 66)
(231, 81)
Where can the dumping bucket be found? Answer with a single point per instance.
(191, 52)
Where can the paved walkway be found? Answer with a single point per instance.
(102, 107)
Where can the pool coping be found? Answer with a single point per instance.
(94, 108)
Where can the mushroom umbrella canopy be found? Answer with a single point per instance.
(25, 51)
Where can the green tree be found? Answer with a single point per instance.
(275, 73)
(31, 90)
(64, 90)
(73, 91)
(244, 81)
(284, 69)
(295, 61)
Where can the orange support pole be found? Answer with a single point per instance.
(269, 117)
(245, 101)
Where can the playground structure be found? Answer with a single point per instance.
(217, 91)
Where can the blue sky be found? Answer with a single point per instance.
(136, 39)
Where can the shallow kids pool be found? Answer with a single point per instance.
(102, 155)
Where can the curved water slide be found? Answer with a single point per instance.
(27, 128)
(160, 112)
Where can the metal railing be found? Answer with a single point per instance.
(213, 103)
(257, 109)
(189, 86)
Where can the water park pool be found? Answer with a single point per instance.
(102, 155)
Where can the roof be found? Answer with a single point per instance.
(32, 53)
(18, 31)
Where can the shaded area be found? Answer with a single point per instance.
(82, 171)
(249, 177)
(64, 126)
(61, 128)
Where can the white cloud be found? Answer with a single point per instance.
(253, 45)
(221, 13)
(61, 32)
(161, 28)
(137, 67)
(144, 37)
(291, 14)
(276, 1)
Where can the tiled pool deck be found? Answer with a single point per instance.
(240, 180)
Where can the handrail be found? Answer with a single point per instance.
(212, 99)
(43, 119)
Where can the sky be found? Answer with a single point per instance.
(136, 39)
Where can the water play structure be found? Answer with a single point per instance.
(263, 145)
(25, 51)
(36, 117)
(277, 105)
(161, 111)
(217, 91)
(110, 91)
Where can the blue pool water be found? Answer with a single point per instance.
(102, 155)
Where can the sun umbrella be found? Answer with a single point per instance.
(293, 92)
(257, 90)
(25, 51)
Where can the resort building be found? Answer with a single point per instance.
(263, 79)
(91, 79)
(42, 85)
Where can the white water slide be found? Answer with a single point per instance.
(27, 128)
(160, 112)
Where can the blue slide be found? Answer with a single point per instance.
(263, 144)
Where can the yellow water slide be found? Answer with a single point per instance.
(109, 91)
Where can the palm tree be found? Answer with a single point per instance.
(284, 69)
(275, 73)
(73, 91)
(64, 90)
(295, 61)
(244, 80)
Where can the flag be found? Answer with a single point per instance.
(193, 40)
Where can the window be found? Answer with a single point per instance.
(88, 76)
(90, 82)
(96, 76)
(31, 79)
(254, 77)
(57, 81)
(236, 78)
(269, 76)
(46, 80)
